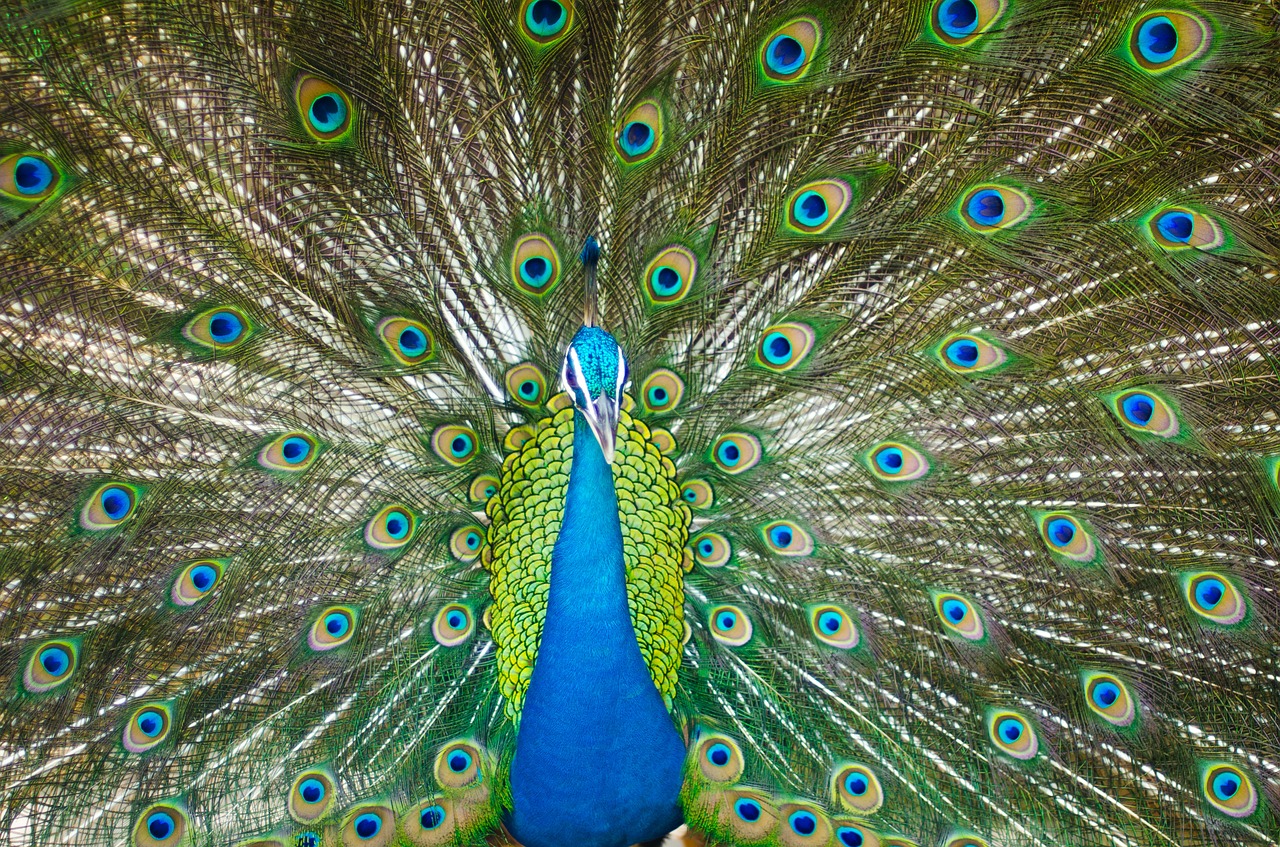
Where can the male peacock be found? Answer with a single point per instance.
(912, 477)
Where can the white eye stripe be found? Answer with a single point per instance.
(622, 375)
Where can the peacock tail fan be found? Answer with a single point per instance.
(947, 474)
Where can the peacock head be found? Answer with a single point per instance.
(594, 374)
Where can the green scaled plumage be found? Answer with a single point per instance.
(952, 327)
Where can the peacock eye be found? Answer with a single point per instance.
(1163, 40)
(218, 329)
(326, 110)
(28, 177)
(147, 728)
(640, 134)
(161, 825)
(545, 21)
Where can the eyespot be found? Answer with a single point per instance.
(109, 506)
(959, 616)
(857, 789)
(458, 764)
(816, 206)
(805, 825)
(991, 207)
(719, 758)
(1160, 41)
(527, 385)
(833, 626)
(670, 275)
(1068, 537)
(311, 796)
(483, 488)
(965, 840)
(545, 21)
(369, 826)
(325, 109)
(730, 625)
(454, 624)
(455, 444)
(1012, 734)
(535, 265)
(1143, 412)
(466, 543)
(408, 341)
(51, 664)
(291, 452)
(147, 727)
(218, 329)
(1108, 698)
(661, 392)
(334, 627)
(784, 346)
(697, 493)
(391, 528)
(787, 53)
(854, 834)
(712, 550)
(1214, 598)
(639, 136)
(1180, 228)
(958, 22)
(785, 538)
(195, 581)
(516, 438)
(431, 823)
(1229, 790)
(28, 177)
(160, 825)
(970, 354)
(663, 440)
(736, 452)
(748, 814)
(893, 461)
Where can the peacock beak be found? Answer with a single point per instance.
(602, 416)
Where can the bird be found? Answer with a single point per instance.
(572, 422)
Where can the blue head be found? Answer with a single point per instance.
(594, 374)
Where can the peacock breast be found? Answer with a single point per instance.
(526, 515)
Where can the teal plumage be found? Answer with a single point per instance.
(938, 386)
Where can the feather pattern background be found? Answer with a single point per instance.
(1083, 407)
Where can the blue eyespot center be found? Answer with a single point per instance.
(295, 449)
(811, 209)
(830, 622)
(412, 341)
(160, 825)
(748, 810)
(637, 138)
(719, 755)
(1157, 39)
(1010, 730)
(55, 660)
(312, 790)
(397, 525)
(224, 327)
(856, 784)
(432, 816)
(535, 270)
(336, 624)
(1209, 593)
(150, 723)
(780, 536)
(726, 620)
(849, 836)
(803, 822)
(473, 541)
(203, 577)
(657, 395)
(986, 207)
(368, 825)
(456, 620)
(459, 761)
(1225, 785)
(777, 348)
(116, 503)
(460, 446)
(690, 495)
(729, 453)
(1061, 531)
(666, 280)
(963, 353)
(1176, 226)
(889, 460)
(706, 548)
(544, 17)
(954, 610)
(32, 175)
(785, 54)
(328, 112)
(529, 389)
(958, 17)
(1105, 694)
(1138, 409)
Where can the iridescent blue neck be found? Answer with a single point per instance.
(598, 760)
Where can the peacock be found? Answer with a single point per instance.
(574, 423)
